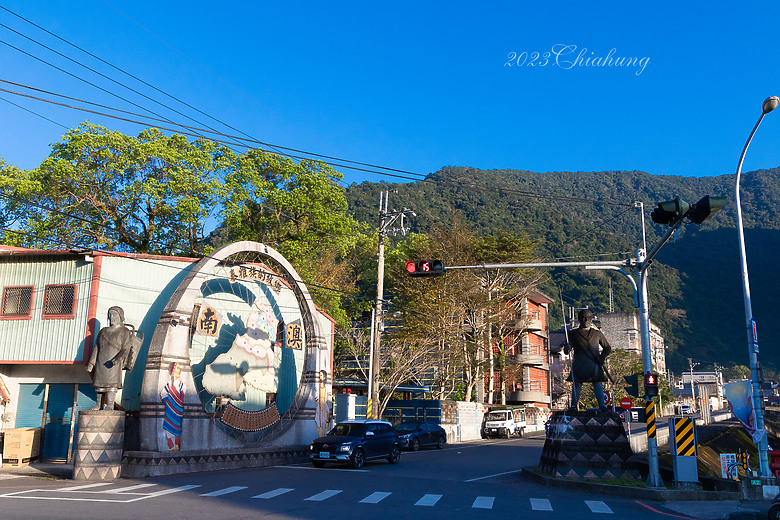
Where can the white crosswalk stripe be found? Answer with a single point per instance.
(483, 503)
(319, 497)
(540, 504)
(130, 489)
(428, 500)
(275, 493)
(225, 491)
(375, 498)
(597, 506)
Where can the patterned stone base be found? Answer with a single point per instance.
(99, 445)
(138, 464)
(587, 445)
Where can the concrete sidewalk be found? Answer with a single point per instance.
(721, 509)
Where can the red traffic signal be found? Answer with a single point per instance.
(651, 385)
(425, 268)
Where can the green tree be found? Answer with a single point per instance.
(460, 310)
(299, 209)
(98, 188)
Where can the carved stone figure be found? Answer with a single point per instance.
(116, 349)
(587, 365)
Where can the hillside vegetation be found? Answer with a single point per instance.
(695, 287)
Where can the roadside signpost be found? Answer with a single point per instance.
(626, 403)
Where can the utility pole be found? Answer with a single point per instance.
(691, 364)
(386, 219)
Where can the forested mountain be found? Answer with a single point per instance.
(695, 288)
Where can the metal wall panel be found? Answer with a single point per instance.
(29, 409)
(59, 415)
(37, 339)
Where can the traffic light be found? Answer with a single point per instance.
(744, 460)
(651, 385)
(425, 268)
(670, 211)
(705, 208)
(633, 385)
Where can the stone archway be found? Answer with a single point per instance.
(200, 432)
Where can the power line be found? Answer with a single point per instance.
(159, 264)
(79, 77)
(33, 113)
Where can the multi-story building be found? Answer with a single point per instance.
(622, 331)
(526, 376)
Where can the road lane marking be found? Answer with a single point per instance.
(597, 506)
(25, 495)
(319, 497)
(483, 503)
(375, 498)
(85, 486)
(225, 491)
(129, 489)
(540, 504)
(428, 500)
(493, 475)
(306, 466)
(274, 493)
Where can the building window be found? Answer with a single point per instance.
(17, 302)
(59, 301)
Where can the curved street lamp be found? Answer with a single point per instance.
(769, 104)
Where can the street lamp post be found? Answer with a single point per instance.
(769, 104)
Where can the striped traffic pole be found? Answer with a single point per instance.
(650, 418)
(683, 437)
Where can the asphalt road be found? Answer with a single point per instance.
(467, 480)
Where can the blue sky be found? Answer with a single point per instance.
(417, 86)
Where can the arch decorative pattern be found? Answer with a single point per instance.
(172, 341)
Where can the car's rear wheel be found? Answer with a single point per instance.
(358, 458)
(441, 443)
(415, 444)
(520, 432)
(395, 455)
(318, 463)
(774, 512)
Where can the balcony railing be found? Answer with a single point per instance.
(527, 396)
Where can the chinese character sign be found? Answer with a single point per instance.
(294, 336)
(208, 321)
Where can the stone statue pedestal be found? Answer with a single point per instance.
(587, 445)
(99, 445)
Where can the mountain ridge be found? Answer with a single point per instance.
(695, 287)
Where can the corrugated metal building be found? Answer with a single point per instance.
(53, 304)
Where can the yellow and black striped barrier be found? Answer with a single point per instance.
(650, 418)
(684, 438)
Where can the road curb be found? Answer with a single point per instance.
(663, 495)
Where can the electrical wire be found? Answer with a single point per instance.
(33, 113)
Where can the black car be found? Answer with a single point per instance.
(355, 442)
(416, 434)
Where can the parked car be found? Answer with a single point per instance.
(416, 434)
(686, 410)
(356, 441)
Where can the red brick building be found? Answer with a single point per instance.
(525, 375)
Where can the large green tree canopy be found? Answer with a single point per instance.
(150, 193)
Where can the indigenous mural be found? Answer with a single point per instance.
(246, 349)
(172, 396)
(253, 364)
